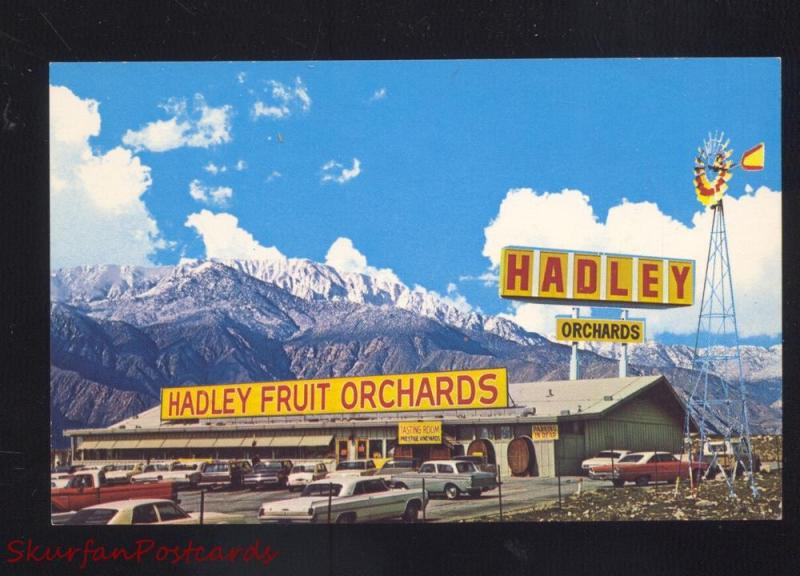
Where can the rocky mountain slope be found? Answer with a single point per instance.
(120, 334)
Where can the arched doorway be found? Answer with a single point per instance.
(482, 447)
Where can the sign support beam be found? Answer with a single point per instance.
(573, 362)
(623, 357)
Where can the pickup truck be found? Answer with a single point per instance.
(88, 487)
(449, 477)
(645, 467)
(352, 499)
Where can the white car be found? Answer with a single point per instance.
(352, 499)
(353, 468)
(121, 473)
(302, 474)
(182, 474)
(145, 511)
(604, 458)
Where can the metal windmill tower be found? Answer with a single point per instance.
(718, 403)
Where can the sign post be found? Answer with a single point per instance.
(573, 361)
(623, 356)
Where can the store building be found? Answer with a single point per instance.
(556, 424)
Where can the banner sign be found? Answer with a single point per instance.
(456, 390)
(589, 278)
(419, 433)
(542, 432)
(596, 330)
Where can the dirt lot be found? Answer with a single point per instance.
(660, 502)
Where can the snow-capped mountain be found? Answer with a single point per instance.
(119, 334)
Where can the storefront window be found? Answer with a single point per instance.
(485, 432)
(504, 432)
(376, 449)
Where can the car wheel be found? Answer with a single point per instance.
(160, 478)
(411, 514)
(348, 518)
(618, 483)
(642, 480)
(451, 491)
(475, 493)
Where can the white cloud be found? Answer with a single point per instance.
(241, 165)
(97, 215)
(344, 174)
(379, 94)
(212, 168)
(241, 77)
(285, 99)
(208, 195)
(274, 176)
(206, 127)
(346, 258)
(488, 279)
(567, 220)
(224, 239)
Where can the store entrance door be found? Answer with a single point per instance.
(342, 451)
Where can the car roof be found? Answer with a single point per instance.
(123, 504)
(444, 462)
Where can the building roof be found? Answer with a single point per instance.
(571, 397)
(546, 401)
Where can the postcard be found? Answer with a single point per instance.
(415, 291)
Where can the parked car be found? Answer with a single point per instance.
(398, 466)
(268, 473)
(352, 499)
(224, 473)
(88, 487)
(728, 457)
(604, 457)
(448, 477)
(184, 475)
(145, 511)
(645, 467)
(353, 468)
(303, 474)
(122, 473)
(480, 461)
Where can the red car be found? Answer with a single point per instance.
(645, 467)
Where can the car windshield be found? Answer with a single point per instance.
(92, 517)
(608, 454)
(351, 465)
(631, 458)
(399, 464)
(322, 489)
(465, 467)
(296, 469)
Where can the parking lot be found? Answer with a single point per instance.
(518, 494)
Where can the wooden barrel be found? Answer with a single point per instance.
(522, 456)
(483, 448)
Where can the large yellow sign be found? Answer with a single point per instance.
(595, 330)
(593, 278)
(419, 433)
(542, 432)
(456, 390)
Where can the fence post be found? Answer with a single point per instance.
(500, 491)
(424, 496)
(330, 499)
(202, 504)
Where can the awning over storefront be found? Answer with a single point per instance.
(201, 442)
(316, 440)
(234, 442)
(179, 442)
(285, 442)
(126, 443)
(154, 443)
(96, 445)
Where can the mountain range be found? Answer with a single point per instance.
(121, 333)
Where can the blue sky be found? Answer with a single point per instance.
(430, 148)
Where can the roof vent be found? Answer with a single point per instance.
(549, 392)
(579, 407)
(565, 412)
(529, 411)
(608, 398)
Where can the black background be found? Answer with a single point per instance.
(32, 34)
